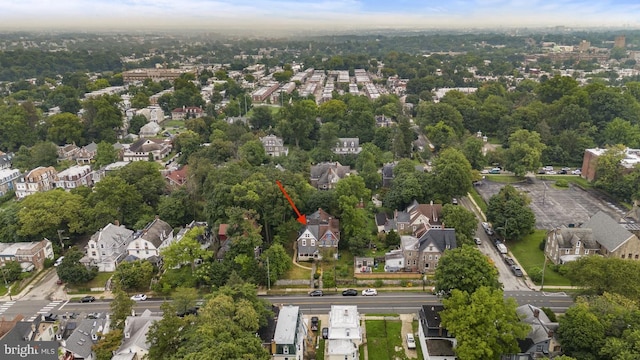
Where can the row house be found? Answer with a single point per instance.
(81, 155)
(345, 333)
(8, 179)
(74, 177)
(30, 255)
(39, 179)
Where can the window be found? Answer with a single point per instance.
(93, 246)
(304, 242)
(426, 265)
(586, 251)
(636, 257)
(623, 256)
(630, 256)
(430, 248)
(313, 242)
(285, 350)
(93, 253)
(567, 251)
(430, 257)
(101, 246)
(437, 257)
(414, 261)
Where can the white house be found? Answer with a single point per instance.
(153, 238)
(345, 333)
(135, 334)
(107, 247)
(74, 177)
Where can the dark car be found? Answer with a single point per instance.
(516, 270)
(314, 323)
(325, 333)
(509, 261)
(350, 292)
(87, 299)
(51, 317)
(316, 293)
(190, 311)
(563, 172)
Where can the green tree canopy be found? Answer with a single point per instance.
(510, 214)
(44, 213)
(464, 221)
(524, 152)
(466, 269)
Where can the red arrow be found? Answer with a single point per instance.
(302, 219)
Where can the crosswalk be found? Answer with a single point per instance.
(6, 305)
(46, 309)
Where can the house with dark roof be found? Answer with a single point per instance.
(87, 333)
(415, 219)
(36, 330)
(144, 149)
(134, 339)
(436, 342)
(151, 240)
(541, 340)
(600, 235)
(322, 232)
(387, 174)
(86, 154)
(5, 160)
(422, 254)
(326, 175)
(274, 146)
(108, 247)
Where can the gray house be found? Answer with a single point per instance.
(322, 232)
(540, 341)
(135, 334)
(422, 254)
(86, 334)
(107, 247)
(325, 175)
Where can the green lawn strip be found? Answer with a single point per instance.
(504, 179)
(575, 179)
(382, 339)
(529, 255)
(97, 282)
(320, 350)
(479, 200)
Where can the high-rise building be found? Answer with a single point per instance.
(620, 41)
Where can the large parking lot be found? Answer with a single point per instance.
(552, 206)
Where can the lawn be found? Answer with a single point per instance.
(98, 282)
(504, 179)
(383, 337)
(529, 255)
(479, 200)
(574, 179)
(298, 273)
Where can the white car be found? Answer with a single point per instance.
(59, 261)
(576, 172)
(477, 241)
(369, 292)
(139, 297)
(411, 342)
(551, 172)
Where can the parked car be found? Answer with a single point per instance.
(576, 172)
(369, 292)
(87, 299)
(509, 261)
(316, 293)
(59, 282)
(314, 323)
(350, 292)
(59, 261)
(548, 168)
(477, 241)
(494, 171)
(190, 311)
(562, 172)
(51, 317)
(139, 297)
(411, 342)
(325, 333)
(551, 172)
(516, 270)
(454, 201)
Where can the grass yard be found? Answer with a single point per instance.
(574, 179)
(529, 255)
(298, 273)
(504, 179)
(383, 337)
(98, 282)
(479, 200)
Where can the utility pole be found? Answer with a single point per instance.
(268, 275)
(4, 276)
(544, 266)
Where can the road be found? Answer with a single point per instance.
(384, 303)
(506, 277)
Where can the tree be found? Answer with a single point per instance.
(279, 262)
(185, 251)
(146, 178)
(177, 208)
(253, 152)
(486, 324)
(431, 114)
(102, 118)
(121, 307)
(441, 135)
(164, 339)
(356, 233)
(510, 214)
(466, 269)
(184, 299)
(64, 128)
(298, 120)
(581, 332)
(72, 271)
(137, 122)
(353, 186)
(524, 152)
(105, 154)
(452, 175)
(134, 275)
(112, 198)
(599, 275)
(620, 131)
(108, 344)
(472, 150)
(11, 271)
(261, 118)
(44, 213)
(464, 221)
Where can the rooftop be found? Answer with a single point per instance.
(287, 325)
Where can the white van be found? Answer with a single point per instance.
(411, 342)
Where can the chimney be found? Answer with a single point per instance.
(116, 222)
(536, 313)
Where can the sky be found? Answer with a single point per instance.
(216, 15)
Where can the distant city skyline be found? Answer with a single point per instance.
(217, 15)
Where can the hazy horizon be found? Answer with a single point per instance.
(306, 15)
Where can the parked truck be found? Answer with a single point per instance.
(501, 248)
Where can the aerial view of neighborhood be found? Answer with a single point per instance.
(352, 193)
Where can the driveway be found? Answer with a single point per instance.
(552, 206)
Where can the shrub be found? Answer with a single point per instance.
(562, 183)
(542, 244)
(535, 274)
(550, 314)
(378, 283)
